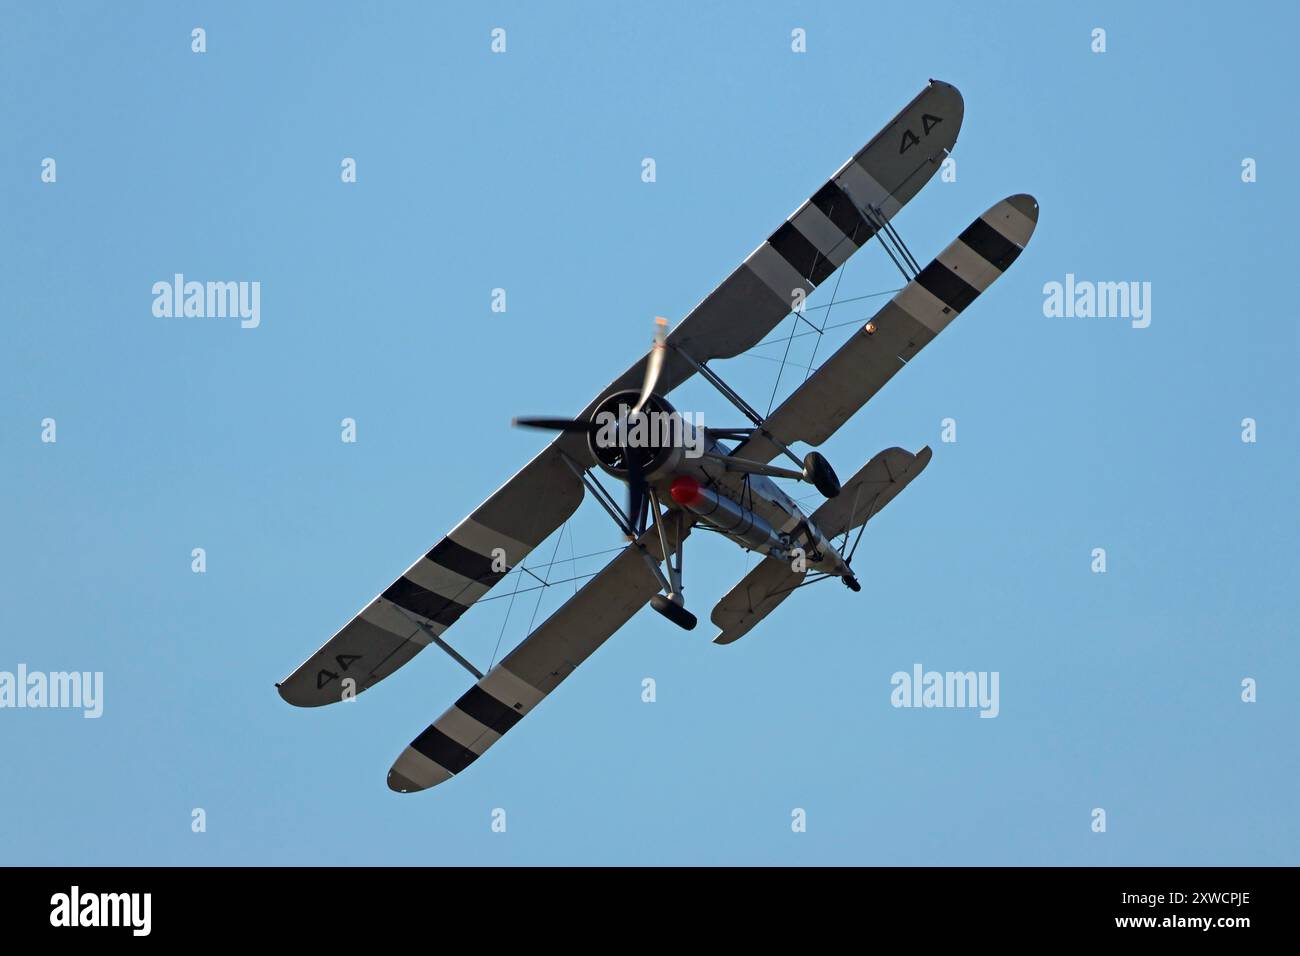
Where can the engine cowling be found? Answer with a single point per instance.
(657, 429)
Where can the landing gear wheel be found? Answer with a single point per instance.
(818, 470)
(674, 612)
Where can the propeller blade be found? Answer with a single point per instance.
(654, 362)
(554, 424)
(636, 485)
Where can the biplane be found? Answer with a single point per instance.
(685, 477)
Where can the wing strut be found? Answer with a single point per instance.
(451, 651)
(743, 406)
(606, 501)
(888, 237)
(603, 497)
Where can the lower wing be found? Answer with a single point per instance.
(511, 689)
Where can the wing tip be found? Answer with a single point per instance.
(1015, 217)
(400, 784)
(290, 695)
(413, 772)
(1025, 204)
(950, 87)
(958, 104)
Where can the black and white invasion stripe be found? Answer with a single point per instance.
(969, 265)
(900, 329)
(867, 191)
(460, 736)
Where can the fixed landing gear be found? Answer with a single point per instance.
(851, 583)
(674, 612)
(670, 603)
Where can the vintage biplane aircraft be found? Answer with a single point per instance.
(725, 485)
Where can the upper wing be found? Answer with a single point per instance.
(908, 322)
(436, 590)
(532, 670)
(810, 245)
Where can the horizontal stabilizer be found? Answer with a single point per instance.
(860, 498)
(873, 487)
(754, 598)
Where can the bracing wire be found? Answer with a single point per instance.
(818, 341)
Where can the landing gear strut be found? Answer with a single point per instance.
(670, 604)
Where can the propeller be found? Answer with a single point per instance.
(634, 459)
(636, 483)
(654, 363)
(636, 491)
(555, 424)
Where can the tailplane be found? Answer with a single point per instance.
(772, 580)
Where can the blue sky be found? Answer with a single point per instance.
(522, 171)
